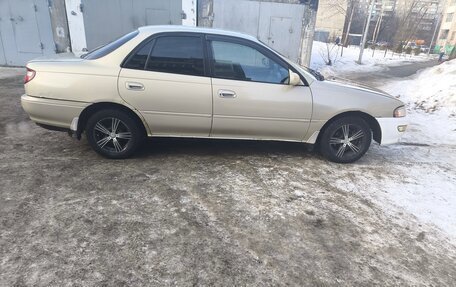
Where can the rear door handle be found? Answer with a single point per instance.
(134, 86)
(226, 94)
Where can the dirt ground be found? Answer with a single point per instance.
(199, 212)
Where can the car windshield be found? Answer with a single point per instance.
(313, 72)
(108, 48)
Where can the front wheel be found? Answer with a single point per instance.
(346, 140)
(113, 134)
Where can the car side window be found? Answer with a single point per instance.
(177, 55)
(138, 60)
(240, 62)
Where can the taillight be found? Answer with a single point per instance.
(29, 75)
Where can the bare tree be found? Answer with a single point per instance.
(410, 18)
(336, 6)
(330, 53)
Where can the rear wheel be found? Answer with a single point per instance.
(346, 140)
(113, 134)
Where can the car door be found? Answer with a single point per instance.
(165, 80)
(251, 94)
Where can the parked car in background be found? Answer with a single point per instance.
(424, 48)
(382, 44)
(411, 45)
(195, 82)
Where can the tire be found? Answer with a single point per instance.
(346, 140)
(123, 142)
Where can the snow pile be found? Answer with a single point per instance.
(433, 89)
(428, 185)
(372, 60)
(431, 100)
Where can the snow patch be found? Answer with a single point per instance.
(428, 187)
(431, 90)
(430, 97)
(372, 60)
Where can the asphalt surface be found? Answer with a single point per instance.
(186, 212)
(389, 73)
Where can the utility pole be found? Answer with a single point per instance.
(437, 20)
(347, 33)
(366, 31)
(378, 26)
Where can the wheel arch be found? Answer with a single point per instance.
(93, 108)
(370, 120)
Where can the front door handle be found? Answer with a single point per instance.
(135, 86)
(226, 94)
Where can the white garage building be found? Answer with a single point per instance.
(34, 28)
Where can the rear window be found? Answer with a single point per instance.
(108, 48)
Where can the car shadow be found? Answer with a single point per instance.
(207, 147)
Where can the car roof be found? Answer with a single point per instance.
(175, 28)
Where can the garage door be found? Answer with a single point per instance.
(25, 31)
(106, 20)
(277, 24)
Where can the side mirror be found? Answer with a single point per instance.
(294, 78)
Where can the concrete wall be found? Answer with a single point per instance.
(308, 30)
(75, 18)
(189, 7)
(59, 25)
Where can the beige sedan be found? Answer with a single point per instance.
(194, 82)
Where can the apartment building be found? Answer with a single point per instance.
(383, 13)
(382, 8)
(447, 33)
(418, 18)
(331, 16)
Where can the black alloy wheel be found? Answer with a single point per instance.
(113, 134)
(346, 140)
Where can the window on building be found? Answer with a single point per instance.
(453, 36)
(444, 34)
(449, 17)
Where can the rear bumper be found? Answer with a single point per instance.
(51, 112)
(392, 129)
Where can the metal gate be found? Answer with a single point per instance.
(106, 20)
(279, 25)
(25, 31)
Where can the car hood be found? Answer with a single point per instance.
(63, 57)
(353, 85)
